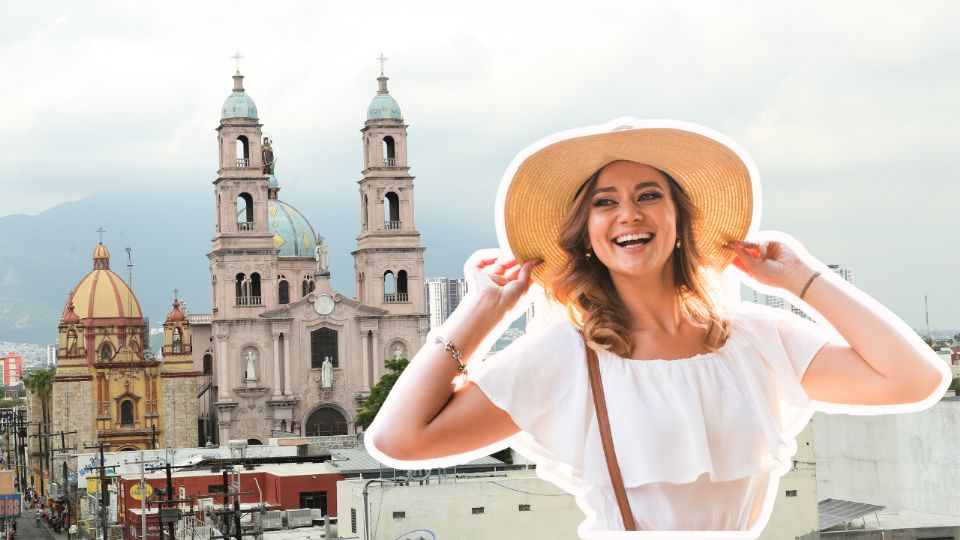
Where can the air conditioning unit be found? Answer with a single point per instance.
(272, 520)
(299, 518)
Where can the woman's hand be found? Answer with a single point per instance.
(774, 262)
(499, 278)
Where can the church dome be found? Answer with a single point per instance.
(101, 293)
(176, 315)
(292, 234)
(239, 104)
(383, 106)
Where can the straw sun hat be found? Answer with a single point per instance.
(539, 187)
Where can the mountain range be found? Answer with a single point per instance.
(42, 257)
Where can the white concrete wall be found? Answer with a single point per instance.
(905, 461)
(446, 509)
(796, 516)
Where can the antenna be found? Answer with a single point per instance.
(129, 283)
(926, 313)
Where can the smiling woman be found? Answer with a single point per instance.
(664, 410)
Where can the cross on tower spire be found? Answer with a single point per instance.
(175, 291)
(100, 231)
(382, 59)
(238, 57)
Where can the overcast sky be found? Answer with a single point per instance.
(850, 109)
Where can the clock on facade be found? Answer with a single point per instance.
(324, 304)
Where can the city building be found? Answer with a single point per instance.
(288, 354)
(443, 296)
(12, 366)
(105, 388)
(51, 356)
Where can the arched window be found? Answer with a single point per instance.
(241, 289)
(255, 289)
(106, 351)
(126, 412)
(208, 364)
(177, 341)
(323, 344)
(243, 151)
(244, 212)
(389, 287)
(391, 211)
(254, 442)
(389, 152)
(402, 295)
(283, 290)
(326, 421)
(308, 284)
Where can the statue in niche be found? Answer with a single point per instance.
(267, 154)
(320, 253)
(326, 373)
(398, 352)
(251, 374)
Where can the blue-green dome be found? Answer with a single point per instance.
(384, 106)
(292, 234)
(239, 104)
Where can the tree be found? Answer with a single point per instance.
(379, 392)
(40, 384)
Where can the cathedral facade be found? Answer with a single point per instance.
(106, 388)
(288, 354)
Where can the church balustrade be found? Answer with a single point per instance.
(243, 162)
(396, 298)
(392, 225)
(245, 226)
(249, 301)
(389, 162)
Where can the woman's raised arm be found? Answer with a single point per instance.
(423, 417)
(886, 363)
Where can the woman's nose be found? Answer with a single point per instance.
(630, 213)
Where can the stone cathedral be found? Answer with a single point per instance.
(287, 353)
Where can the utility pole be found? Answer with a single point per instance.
(104, 496)
(65, 485)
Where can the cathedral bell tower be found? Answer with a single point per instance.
(388, 261)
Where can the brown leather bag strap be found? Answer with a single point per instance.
(593, 367)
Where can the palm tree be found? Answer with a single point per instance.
(40, 384)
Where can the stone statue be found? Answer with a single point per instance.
(267, 154)
(320, 253)
(251, 367)
(398, 353)
(326, 374)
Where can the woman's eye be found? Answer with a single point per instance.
(650, 196)
(603, 202)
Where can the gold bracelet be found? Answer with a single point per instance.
(809, 281)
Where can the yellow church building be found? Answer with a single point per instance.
(106, 389)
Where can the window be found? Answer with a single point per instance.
(477, 510)
(524, 508)
(323, 344)
(177, 341)
(284, 291)
(126, 413)
(215, 488)
(353, 520)
(399, 515)
(791, 493)
(106, 351)
(314, 499)
(391, 211)
(208, 364)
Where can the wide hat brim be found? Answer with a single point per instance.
(538, 189)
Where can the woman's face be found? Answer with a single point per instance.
(632, 224)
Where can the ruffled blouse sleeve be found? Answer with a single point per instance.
(787, 343)
(541, 381)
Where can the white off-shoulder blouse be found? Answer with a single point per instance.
(701, 441)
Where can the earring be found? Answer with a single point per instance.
(588, 254)
(678, 244)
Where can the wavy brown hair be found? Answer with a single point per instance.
(584, 286)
